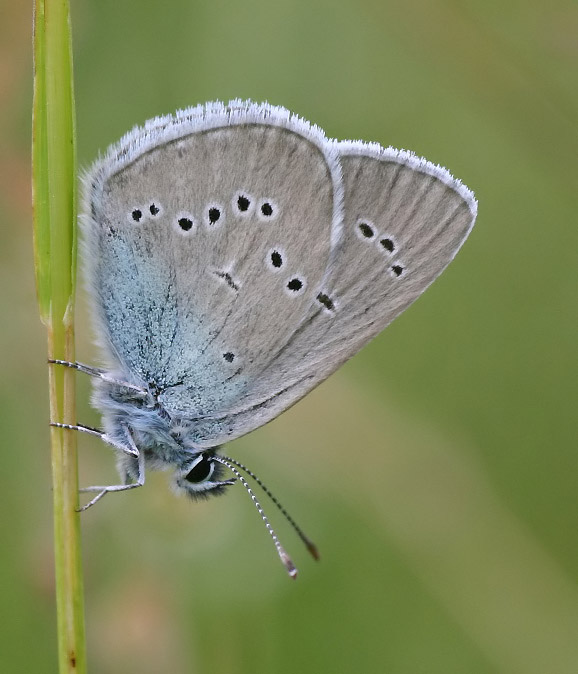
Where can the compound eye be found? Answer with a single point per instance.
(201, 471)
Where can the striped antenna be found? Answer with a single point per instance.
(285, 559)
(309, 544)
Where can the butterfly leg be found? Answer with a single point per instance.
(103, 490)
(132, 451)
(99, 373)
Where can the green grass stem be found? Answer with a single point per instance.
(54, 198)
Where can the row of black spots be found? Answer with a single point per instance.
(185, 222)
(296, 285)
(366, 230)
(140, 213)
(213, 216)
(276, 260)
(244, 205)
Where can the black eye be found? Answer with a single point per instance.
(201, 471)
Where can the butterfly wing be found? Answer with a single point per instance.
(204, 236)
(237, 257)
(404, 220)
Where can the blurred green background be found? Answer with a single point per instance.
(438, 470)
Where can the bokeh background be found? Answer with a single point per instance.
(438, 470)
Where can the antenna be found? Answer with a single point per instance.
(309, 544)
(285, 559)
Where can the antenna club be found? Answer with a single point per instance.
(288, 564)
(314, 551)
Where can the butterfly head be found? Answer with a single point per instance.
(200, 477)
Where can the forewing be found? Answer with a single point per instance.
(197, 272)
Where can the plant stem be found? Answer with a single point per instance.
(68, 562)
(54, 197)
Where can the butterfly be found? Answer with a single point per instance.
(235, 258)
